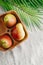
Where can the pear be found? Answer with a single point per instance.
(18, 32)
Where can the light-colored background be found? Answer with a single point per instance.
(29, 52)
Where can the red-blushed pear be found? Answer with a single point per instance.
(5, 41)
(9, 20)
(18, 32)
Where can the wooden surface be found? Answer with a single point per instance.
(29, 52)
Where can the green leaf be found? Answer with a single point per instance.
(30, 11)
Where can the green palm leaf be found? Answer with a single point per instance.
(30, 11)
